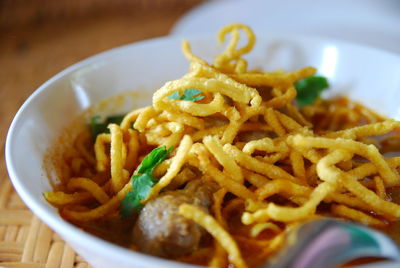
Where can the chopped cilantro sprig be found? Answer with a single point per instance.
(98, 126)
(188, 95)
(143, 181)
(309, 89)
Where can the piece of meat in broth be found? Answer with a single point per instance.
(161, 231)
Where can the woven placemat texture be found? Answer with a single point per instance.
(25, 241)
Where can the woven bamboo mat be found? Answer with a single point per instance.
(25, 241)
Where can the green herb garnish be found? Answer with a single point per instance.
(188, 95)
(309, 89)
(143, 181)
(98, 126)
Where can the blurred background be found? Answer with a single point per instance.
(39, 38)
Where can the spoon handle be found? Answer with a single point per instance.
(329, 243)
(381, 264)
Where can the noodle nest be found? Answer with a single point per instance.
(276, 165)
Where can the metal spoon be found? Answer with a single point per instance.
(326, 243)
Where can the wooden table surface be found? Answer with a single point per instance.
(31, 52)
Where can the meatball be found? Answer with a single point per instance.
(161, 231)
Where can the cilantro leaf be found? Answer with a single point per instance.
(188, 95)
(142, 184)
(175, 96)
(128, 204)
(115, 119)
(98, 126)
(143, 181)
(153, 159)
(309, 89)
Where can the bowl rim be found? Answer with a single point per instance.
(76, 235)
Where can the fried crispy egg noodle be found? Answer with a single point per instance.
(275, 165)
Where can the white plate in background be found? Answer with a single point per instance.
(370, 22)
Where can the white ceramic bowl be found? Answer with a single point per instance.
(364, 74)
